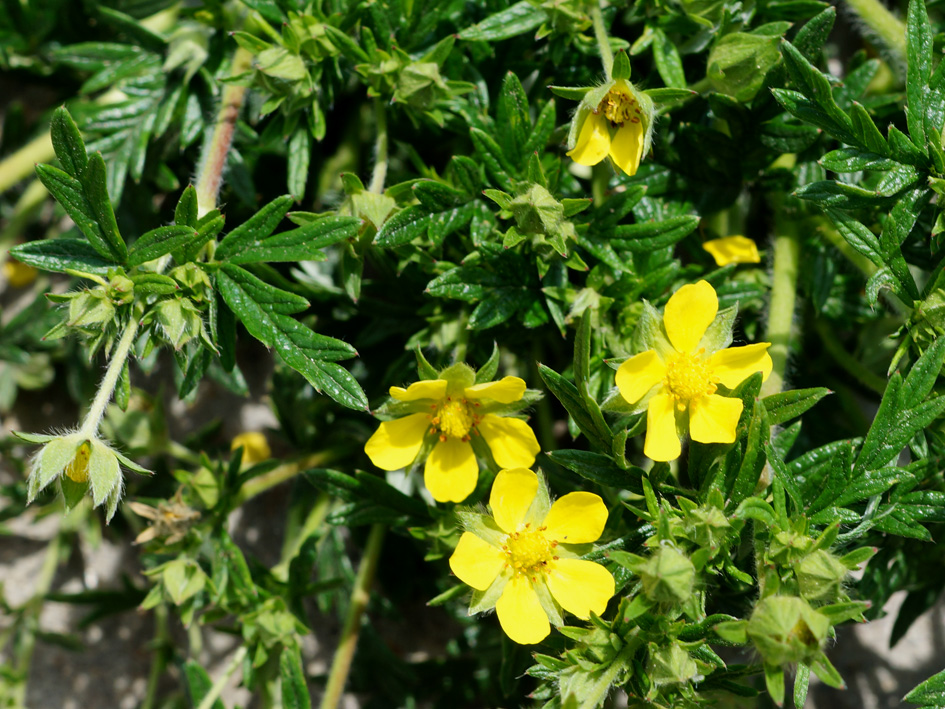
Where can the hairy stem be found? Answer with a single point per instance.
(217, 688)
(160, 647)
(20, 165)
(603, 41)
(380, 147)
(105, 390)
(341, 664)
(787, 252)
(217, 149)
(884, 26)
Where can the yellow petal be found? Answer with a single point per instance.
(396, 443)
(734, 365)
(520, 613)
(475, 562)
(511, 496)
(732, 249)
(626, 150)
(576, 518)
(581, 586)
(506, 391)
(712, 419)
(451, 471)
(639, 374)
(688, 313)
(662, 442)
(254, 444)
(428, 389)
(593, 143)
(512, 441)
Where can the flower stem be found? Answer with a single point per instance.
(341, 664)
(217, 688)
(787, 252)
(105, 390)
(884, 26)
(380, 147)
(603, 41)
(21, 164)
(847, 361)
(161, 648)
(279, 475)
(217, 149)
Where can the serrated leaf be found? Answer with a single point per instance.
(857, 235)
(157, 242)
(67, 142)
(512, 21)
(512, 114)
(650, 236)
(786, 405)
(304, 243)
(256, 228)
(919, 69)
(599, 469)
(571, 399)
(264, 311)
(62, 255)
(414, 222)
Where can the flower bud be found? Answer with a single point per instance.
(670, 665)
(785, 630)
(820, 575)
(668, 576)
(255, 447)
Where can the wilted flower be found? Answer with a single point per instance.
(523, 561)
(170, 519)
(676, 380)
(450, 415)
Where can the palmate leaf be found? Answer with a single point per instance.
(264, 310)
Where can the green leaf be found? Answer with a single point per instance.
(650, 236)
(304, 243)
(854, 160)
(811, 37)
(668, 61)
(572, 401)
(919, 69)
(512, 116)
(752, 459)
(864, 127)
(199, 684)
(784, 475)
(497, 165)
(157, 242)
(414, 222)
(521, 17)
(857, 235)
(299, 156)
(786, 405)
(185, 214)
(69, 192)
(346, 45)
(67, 142)
(931, 692)
(379, 491)
(294, 689)
(62, 255)
(264, 310)
(816, 87)
(255, 229)
(94, 181)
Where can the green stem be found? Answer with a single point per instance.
(380, 147)
(846, 360)
(279, 475)
(341, 664)
(216, 151)
(217, 688)
(595, 691)
(105, 390)
(294, 540)
(884, 26)
(787, 252)
(24, 209)
(603, 41)
(600, 181)
(22, 163)
(160, 648)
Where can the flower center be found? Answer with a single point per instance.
(453, 419)
(688, 377)
(528, 550)
(78, 469)
(619, 107)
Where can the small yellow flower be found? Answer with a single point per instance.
(732, 249)
(618, 126)
(17, 274)
(523, 556)
(450, 413)
(676, 380)
(255, 447)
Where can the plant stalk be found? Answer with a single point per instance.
(105, 390)
(22, 163)
(380, 147)
(217, 688)
(884, 26)
(277, 476)
(216, 151)
(847, 361)
(341, 664)
(603, 41)
(787, 253)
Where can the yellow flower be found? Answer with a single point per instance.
(523, 558)
(18, 275)
(676, 380)
(618, 125)
(452, 413)
(255, 447)
(732, 249)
